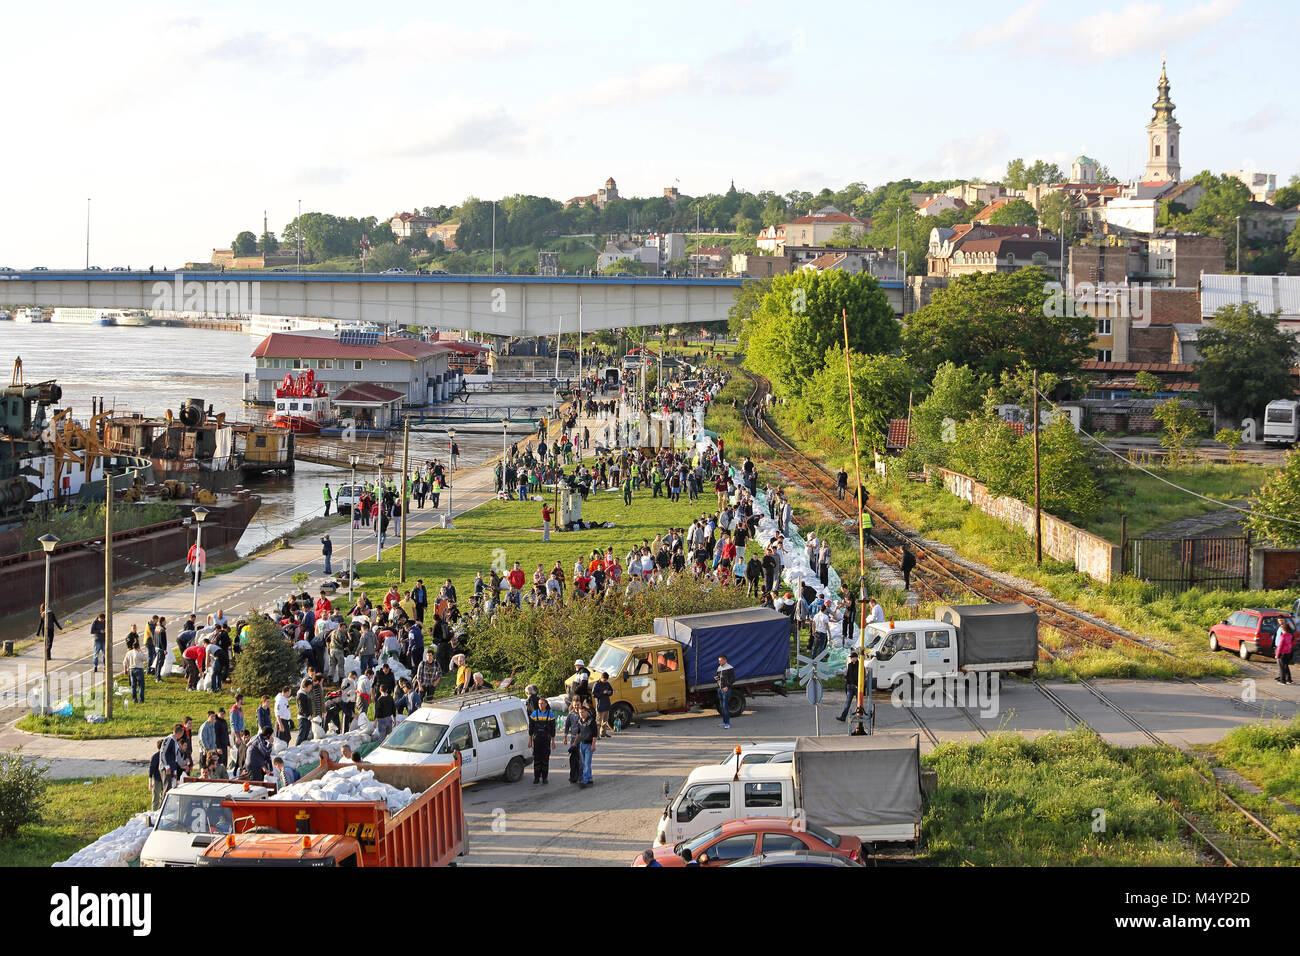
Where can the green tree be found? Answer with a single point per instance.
(1277, 506)
(1148, 384)
(245, 244)
(1288, 196)
(1246, 360)
(1226, 197)
(1058, 213)
(1231, 439)
(266, 663)
(997, 321)
(22, 792)
(748, 298)
(1181, 426)
(1040, 172)
(881, 384)
(390, 256)
(1015, 213)
(799, 321)
(956, 393)
(268, 244)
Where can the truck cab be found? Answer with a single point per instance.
(646, 672)
(192, 816)
(283, 849)
(717, 793)
(925, 648)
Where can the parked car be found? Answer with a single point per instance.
(1248, 631)
(796, 858)
(738, 839)
(345, 496)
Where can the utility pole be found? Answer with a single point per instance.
(87, 232)
(406, 471)
(299, 231)
(1238, 267)
(108, 594)
(494, 237)
(859, 723)
(1038, 501)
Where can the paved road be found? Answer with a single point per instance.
(561, 825)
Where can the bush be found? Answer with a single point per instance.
(22, 792)
(267, 661)
(539, 646)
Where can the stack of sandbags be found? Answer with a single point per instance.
(116, 848)
(300, 755)
(348, 783)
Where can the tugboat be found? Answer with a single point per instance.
(302, 404)
(193, 446)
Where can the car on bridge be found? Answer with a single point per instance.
(1248, 631)
(394, 272)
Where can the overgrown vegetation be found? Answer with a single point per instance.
(87, 521)
(1268, 755)
(22, 792)
(77, 812)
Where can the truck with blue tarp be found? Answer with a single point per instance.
(673, 668)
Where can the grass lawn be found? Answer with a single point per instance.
(1267, 756)
(1150, 503)
(164, 706)
(512, 531)
(1008, 801)
(78, 812)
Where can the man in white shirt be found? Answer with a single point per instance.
(282, 715)
(875, 613)
(821, 625)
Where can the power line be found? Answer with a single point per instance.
(1188, 491)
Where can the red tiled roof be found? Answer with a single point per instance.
(898, 434)
(990, 209)
(829, 217)
(366, 392)
(291, 345)
(1092, 365)
(827, 261)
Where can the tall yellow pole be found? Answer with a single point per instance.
(406, 501)
(862, 546)
(108, 593)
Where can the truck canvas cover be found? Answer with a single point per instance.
(756, 641)
(993, 633)
(859, 781)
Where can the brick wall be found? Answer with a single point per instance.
(1096, 557)
(1170, 306)
(1273, 569)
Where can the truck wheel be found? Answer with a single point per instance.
(737, 703)
(1243, 652)
(622, 715)
(1214, 642)
(514, 770)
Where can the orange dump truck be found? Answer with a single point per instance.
(429, 831)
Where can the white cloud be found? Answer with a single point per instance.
(1019, 25)
(1148, 27)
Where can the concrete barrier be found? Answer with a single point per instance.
(1096, 557)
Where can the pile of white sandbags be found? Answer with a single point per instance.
(348, 783)
(309, 752)
(116, 848)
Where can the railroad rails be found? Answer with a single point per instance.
(943, 578)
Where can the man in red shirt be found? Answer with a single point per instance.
(323, 607)
(195, 657)
(516, 579)
(546, 522)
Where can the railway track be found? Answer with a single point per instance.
(942, 577)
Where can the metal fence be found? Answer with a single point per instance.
(1177, 564)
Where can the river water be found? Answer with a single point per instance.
(152, 369)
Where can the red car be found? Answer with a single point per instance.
(738, 839)
(1248, 631)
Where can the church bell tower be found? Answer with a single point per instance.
(1162, 136)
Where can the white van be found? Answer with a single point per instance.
(490, 729)
(192, 816)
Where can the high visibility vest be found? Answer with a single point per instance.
(866, 520)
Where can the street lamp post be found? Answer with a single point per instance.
(352, 534)
(199, 514)
(451, 438)
(379, 493)
(48, 543)
(505, 431)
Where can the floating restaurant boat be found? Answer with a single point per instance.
(32, 316)
(303, 404)
(83, 317)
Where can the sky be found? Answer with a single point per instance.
(181, 124)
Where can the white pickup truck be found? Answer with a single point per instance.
(867, 787)
(961, 639)
(192, 816)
